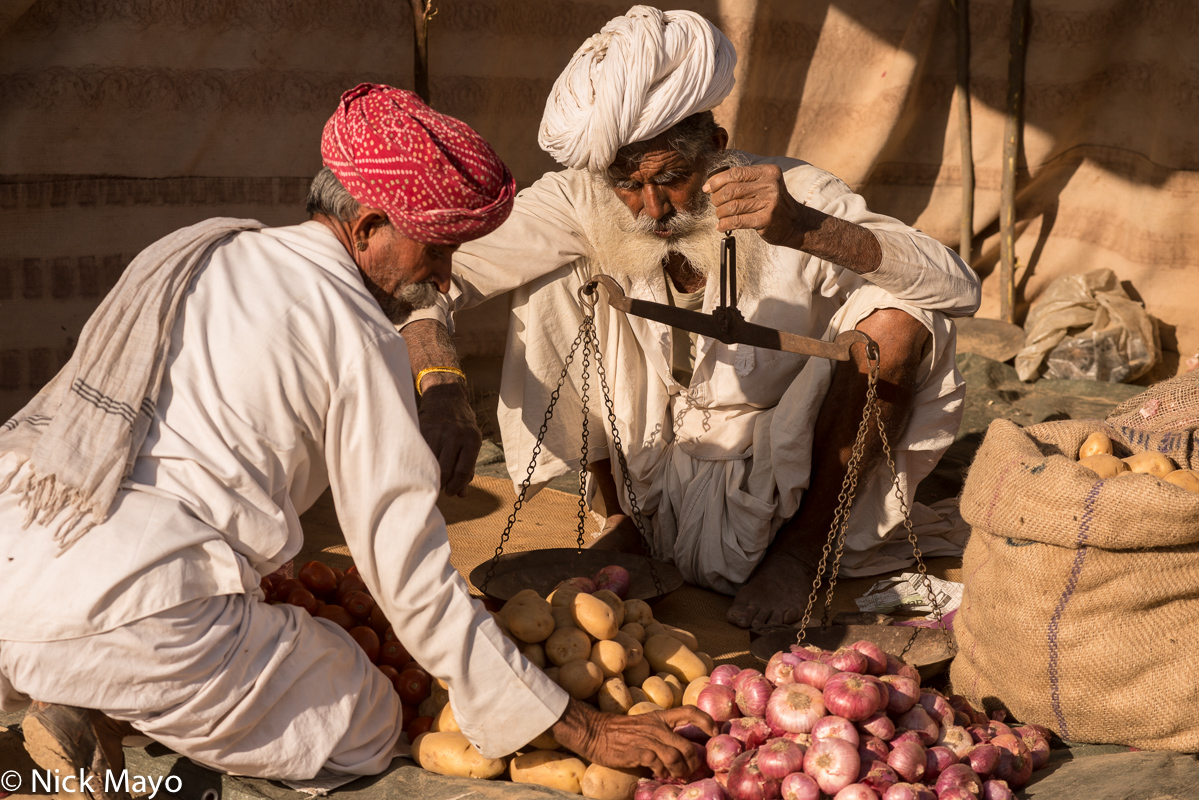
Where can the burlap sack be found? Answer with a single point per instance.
(1081, 603)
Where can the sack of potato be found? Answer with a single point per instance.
(602, 650)
(1080, 610)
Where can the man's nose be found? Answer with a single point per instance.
(441, 276)
(655, 201)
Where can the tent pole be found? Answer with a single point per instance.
(1013, 133)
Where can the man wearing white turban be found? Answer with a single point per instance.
(736, 454)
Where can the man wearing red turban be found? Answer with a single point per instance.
(235, 373)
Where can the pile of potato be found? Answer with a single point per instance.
(602, 650)
(1096, 455)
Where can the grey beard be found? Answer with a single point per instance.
(396, 307)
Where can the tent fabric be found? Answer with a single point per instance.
(122, 121)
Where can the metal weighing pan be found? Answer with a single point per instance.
(542, 570)
(923, 648)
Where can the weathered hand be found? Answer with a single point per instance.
(447, 422)
(644, 740)
(755, 197)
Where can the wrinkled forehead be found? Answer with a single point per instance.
(651, 162)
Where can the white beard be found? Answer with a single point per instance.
(625, 247)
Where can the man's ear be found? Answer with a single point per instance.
(720, 139)
(364, 225)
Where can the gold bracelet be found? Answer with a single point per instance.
(420, 376)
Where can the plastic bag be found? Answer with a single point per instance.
(1085, 327)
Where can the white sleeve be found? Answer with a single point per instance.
(541, 235)
(915, 267)
(385, 485)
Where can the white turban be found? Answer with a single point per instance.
(638, 76)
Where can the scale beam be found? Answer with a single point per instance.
(725, 324)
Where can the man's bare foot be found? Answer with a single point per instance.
(776, 594)
(619, 534)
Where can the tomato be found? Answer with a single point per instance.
(285, 587)
(368, 640)
(337, 615)
(391, 673)
(394, 654)
(378, 621)
(411, 665)
(304, 599)
(389, 635)
(338, 574)
(352, 571)
(357, 603)
(267, 584)
(409, 713)
(350, 584)
(318, 577)
(417, 727)
(414, 686)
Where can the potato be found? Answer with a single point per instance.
(552, 673)
(528, 617)
(1095, 444)
(562, 617)
(535, 653)
(686, 637)
(634, 630)
(658, 692)
(667, 654)
(676, 687)
(561, 771)
(613, 600)
(429, 707)
(440, 695)
(580, 678)
(638, 695)
(1103, 465)
(567, 644)
(562, 597)
(450, 753)
(637, 611)
(1184, 479)
(691, 693)
(709, 664)
(545, 742)
(594, 616)
(635, 674)
(1150, 463)
(647, 707)
(614, 697)
(632, 647)
(610, 656)
(605, 783)
(444, 721)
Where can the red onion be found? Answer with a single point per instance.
(778, 669)
(832, 763)
(849, 695)
(702, 771)
(961, 719)
(903, 693)
(834, 727)
(848, 660)
(706, 789)
(959, 703)
(1029, 729)
(667, 791)
(980, 734)
(909, 791)
(884, 693)
(907, 736)
(722, 750)
(856, 791)
(908, 759)
(879, 725)
(937, 706)
(1038, 747)
(804, 740)
(878, 776)
(615, 579)
(813, 673)
(778, 758)
(957, 793)
(750, 731)
(746, 781)
(645, 789)
(724, 674)
(897, 667)
(997, 728)
(692, 733)
(743, 676)
(983, 759)
(872, 748)
(794, 707)
(808, 652)
(718, 702)
(752, 695)
(584, 585)
(876, 659)
(1016, 766)
(798, 786)
(997, 790)
(958, 776)
(956, 739)
(917, 719)
(937, 760)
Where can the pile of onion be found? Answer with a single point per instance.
(851, 725)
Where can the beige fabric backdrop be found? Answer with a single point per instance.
(121, 120)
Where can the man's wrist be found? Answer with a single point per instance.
(438, 376)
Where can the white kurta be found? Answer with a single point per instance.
(284, 377)
(720, 464)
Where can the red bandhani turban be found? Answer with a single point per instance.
(436, 179)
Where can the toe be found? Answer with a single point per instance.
(741, 615)
(791, 616)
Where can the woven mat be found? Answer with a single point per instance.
(476, 521)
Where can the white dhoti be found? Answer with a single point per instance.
(233, 683)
